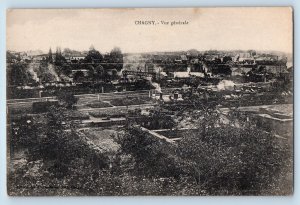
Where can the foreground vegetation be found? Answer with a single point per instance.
(218, 157)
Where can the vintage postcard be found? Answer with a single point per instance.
(150, 101)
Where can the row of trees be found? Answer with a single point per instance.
(58, 59)
(96, 74)
(100, 67)
(111, 60)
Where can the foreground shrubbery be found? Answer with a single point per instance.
(215, 159)
(57, 153)
(224, 156)
(225, 161)
(237, 161)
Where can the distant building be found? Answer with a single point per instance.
(239, 71)
(74, 58)
(244, 58)
(236, 58)
(197, 74)
(246, 69)
(183, 74)
(187, 74)
(183, 58)
(94, 60)
(275, 69)
(84, 71)
(26, 59)
(40, 57)
(162, 75)
(194, 60)
(150, 68)
(245, 55)
(236, 71)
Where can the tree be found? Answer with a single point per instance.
(193, 52)
(227, 59)
(93, 56)
(17, 74)
(69, 52)
(78, 76)
(59, 59)
(50, 57)
(114, 73)
(217, 60)
(91, 73)
(99, 73)
(116, 57)
(66, 70)
(46, 77)
(66, 99)
(252, 52)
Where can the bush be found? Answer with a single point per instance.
(244, 161)
(98, 104)
(42, 107)
(66, 99)
(130, 101)
(76, 115)
(153, 158)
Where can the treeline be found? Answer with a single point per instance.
(111, 60)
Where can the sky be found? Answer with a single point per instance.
(261, 28)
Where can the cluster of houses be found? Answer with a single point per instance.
(238, 65)
(185, 65)
(29, 56)
(23, 57)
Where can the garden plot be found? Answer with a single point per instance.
(104, 138)
(22, 108)
(179, 133)
(99, 104)
(130, 101)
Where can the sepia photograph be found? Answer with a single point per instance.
(150, 101)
